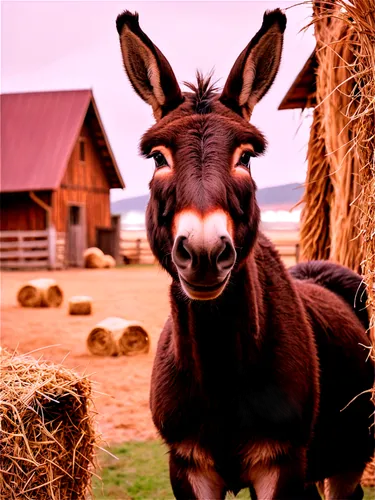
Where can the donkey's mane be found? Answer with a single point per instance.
(203, 93)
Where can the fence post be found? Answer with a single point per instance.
(297, 252)
(51, 236)
(138, 247)
(116, 226)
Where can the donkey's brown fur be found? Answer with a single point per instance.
(252, 382)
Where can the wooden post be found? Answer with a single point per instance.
(138, 245)
(116, 226)
(297, 252)
(51, 235)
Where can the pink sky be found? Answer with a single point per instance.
(69, 45)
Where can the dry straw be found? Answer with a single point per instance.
(340, 187)
(117, 336)
(42, 292)
(93, 258)
(343, 140)
(46, 430)
(80, 305)
(109, 261)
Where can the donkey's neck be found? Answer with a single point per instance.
(228, 329)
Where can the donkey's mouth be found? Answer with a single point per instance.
(203, 292)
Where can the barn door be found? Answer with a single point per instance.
(76, 235)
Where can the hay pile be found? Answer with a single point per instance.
(43, 292)
(94, 258)
(330, 218)
(315, 238)
(109, 262)
(338, 219)
(80, 305)
(117, 336)
(47, 438)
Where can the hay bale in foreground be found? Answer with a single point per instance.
(109, 261)
(114, 336)
(93, 258)
(43, 292)
(47, 438)
(80, 305)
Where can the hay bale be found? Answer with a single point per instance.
(114, 336)
(47, 438)
(109, 261)
(93, 258)
(43, 292)
(134, 339)
(103, 338)
(80, 305)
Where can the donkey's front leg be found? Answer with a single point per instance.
(282, 481)
(191, 482)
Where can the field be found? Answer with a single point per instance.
(122, 383)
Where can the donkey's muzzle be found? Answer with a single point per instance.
(203, 271)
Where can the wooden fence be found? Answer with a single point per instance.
(32, 249)
(138, 251)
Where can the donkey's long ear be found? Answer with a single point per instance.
(148, 70)
(256, 67)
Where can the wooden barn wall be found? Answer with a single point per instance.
(20, 212)
(84, 183)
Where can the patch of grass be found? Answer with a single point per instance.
(141, 473)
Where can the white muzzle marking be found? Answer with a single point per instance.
(202, 231)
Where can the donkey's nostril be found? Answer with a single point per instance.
(181, 253)
(227, 255)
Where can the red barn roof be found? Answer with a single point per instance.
(38, 134)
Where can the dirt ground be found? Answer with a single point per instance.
(131, 292)
(134, 293)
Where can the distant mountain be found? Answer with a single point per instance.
(136, 204)
(285, 196)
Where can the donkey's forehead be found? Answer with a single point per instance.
(181, 128)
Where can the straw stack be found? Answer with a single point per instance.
(47, 438)
(116, 336)
(80, 305)
(43, 292)
(109, 261)
(345, 33)
(93, 258)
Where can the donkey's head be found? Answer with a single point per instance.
(202, 218)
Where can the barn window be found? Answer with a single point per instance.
(82, 150)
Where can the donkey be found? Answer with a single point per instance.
(257, 372)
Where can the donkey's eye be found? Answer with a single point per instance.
(159, 159)
(245, 159)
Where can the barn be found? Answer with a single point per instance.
(56, 174)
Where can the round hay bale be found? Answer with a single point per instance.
(80, 305)
(47, 438)
(93, 258)
(103, 338)
(114, 336)
(43, 292)
(134, 339)
(109, 261)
